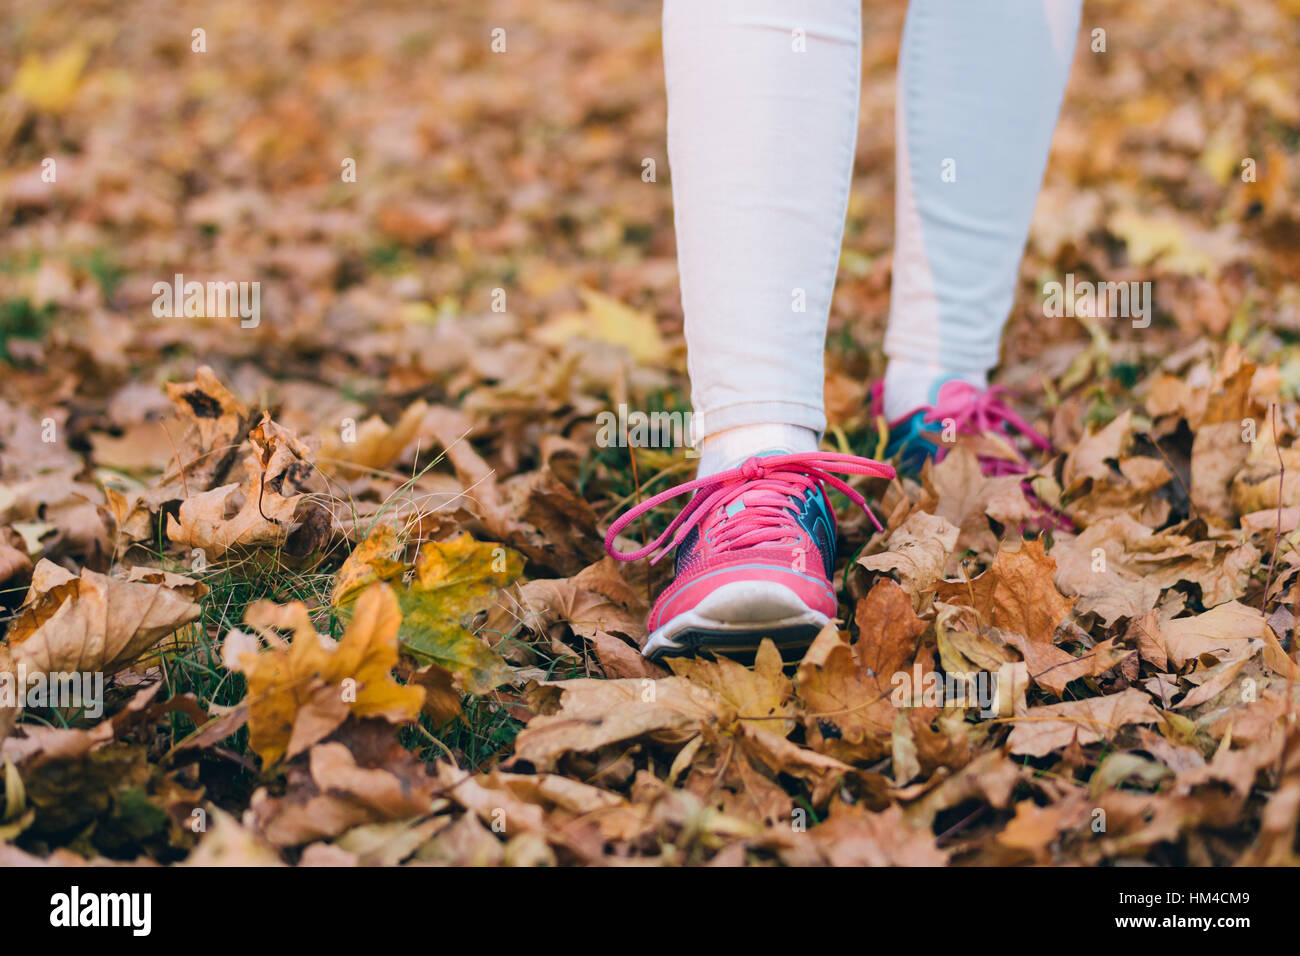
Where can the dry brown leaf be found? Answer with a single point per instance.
(1052, 668)
(226, 842)
(916, 554)
(363, 776)
(960, 493)
(441, 695)
(597, 713)
(761, 694)
(272, 508)
(96, 623)
(537, 513)
(372, 445)
(1275, 843)
(854, 836)
(596, 599)
(1040, 730)
(1094, 568)
(618, 658)
(1097, 454)
(848, 708)
(1218, 453)
(1228, 632)
(1255, 487)
(1017, 593)
(213, 424)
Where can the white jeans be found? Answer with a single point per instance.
(762, 124)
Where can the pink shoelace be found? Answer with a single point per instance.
(980, 411)
(767, 483)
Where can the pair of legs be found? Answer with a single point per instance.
(762, 125)
(762, 122)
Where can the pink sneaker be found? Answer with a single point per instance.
(971, 411)
(755, 554)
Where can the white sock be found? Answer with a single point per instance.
(908, 385)
(728, 448)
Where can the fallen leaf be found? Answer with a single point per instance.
(1040, 730)
(92, 622)
(301, 693)
(272, 508)
(373, 444)
(596, 713)
(1017, 593)
(857, 837)
(452, 581)
(761, 694)
(917, 552)
(608, 320)
(1228, 632)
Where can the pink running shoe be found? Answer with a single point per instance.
(971, 411)
(914, 437)
(755, 554)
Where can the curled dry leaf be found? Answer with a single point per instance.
(213, 424)
(1140, 563)
(1052, 668)
(54, 517)
(1228, 632)
(1101, 479)
(441, 695)
(466, 842)
(204, 440)
(595, 713)
(1040, 730)
(487, 798)
(376, 444)
(91, 622)
(271, 508)
(916, 554)
(618, 658)
(38, 744)
(1095, 456)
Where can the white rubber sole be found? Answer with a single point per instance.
(736, 617)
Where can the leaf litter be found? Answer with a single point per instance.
(342, 573)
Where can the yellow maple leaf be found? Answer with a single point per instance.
(51, 83)
(762, 694)
(608, 320)
(300, 692)
(453, 580)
